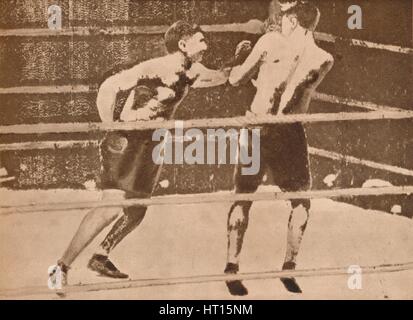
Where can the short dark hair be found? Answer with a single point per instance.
(306, 13)
(177, 32)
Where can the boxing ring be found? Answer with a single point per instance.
(34, 210)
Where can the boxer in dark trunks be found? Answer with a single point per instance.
(289, 66)
(157, 87)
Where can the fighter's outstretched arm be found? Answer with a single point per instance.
(206, 78)
(123, 80)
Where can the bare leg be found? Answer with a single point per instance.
(92, 224)
(130, 220)
(237, 226)
(297, 224)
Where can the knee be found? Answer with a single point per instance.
(238, 215)
(299, 215)
(102, 215)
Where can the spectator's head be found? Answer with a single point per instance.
(302, 14)
(186, 38)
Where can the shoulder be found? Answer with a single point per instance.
(322, 57)
(270, 38)
(326, 56)
(271, 42)
(323, 54)
(156, 67)
(154, 63)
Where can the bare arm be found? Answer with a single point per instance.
(254, 26)
(206, 78)
(245, 72)
(123, 80)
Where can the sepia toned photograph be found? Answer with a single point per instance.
(206, 150)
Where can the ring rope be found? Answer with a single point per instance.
(213, 28)
(6, 179)
(324, 97)
(49, 89)
(353, 160)
(172, 281)
(215, 197)
(367, 105)
(43, 128)
(42, 145)
(66, 144)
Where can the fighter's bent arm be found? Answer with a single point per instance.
(243, 73)
(123, 80)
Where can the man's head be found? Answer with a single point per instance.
(303, 14)
(186, 38)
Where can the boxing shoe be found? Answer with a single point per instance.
(104, 267)
(290, 283)
(235, 287)
(58, 278)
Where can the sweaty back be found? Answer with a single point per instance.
(289, 74)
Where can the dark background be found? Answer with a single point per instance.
(359, 73)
